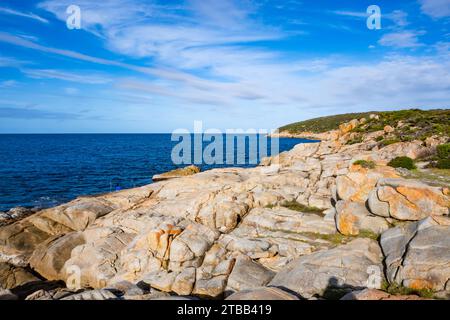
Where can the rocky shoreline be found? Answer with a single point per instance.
(309, 223)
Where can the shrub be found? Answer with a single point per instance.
(387, 142)
(443, 151)
(379, 138)
(365, 164)
(355, 140)
(443, 164)
(395, 289)
(402, 162)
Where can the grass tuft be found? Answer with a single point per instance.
(365, 164)
(294, 205)
(398, 290)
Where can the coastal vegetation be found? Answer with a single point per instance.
(402, 162)
(365, 164)
(410, 124)
(294, 205)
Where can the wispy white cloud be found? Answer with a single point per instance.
(399, 17)
(86, 77)
(8, 83)
(354, 14)
(71, 91)
(203, 57)
(402, 39)
(11, 62)
(159, 72)
(28, 15)
(435, 8)
(144, 30)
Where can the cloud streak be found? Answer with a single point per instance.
(30, 114)
(28, 15)
(217, 55)
(66, 76)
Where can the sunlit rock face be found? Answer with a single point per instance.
(307, 220)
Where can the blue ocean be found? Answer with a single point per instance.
(43, 170)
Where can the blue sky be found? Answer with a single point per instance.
(155, 66)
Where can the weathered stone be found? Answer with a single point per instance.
(161, 280)
(51, 294)
(357, 184)
(247, 274)
(92, 295)
(210, 288)
(283, 219)
(254, 248)
(4, 217)
(352, 217)
(388, 129)
(97, 260)
(414, 149)
(7, 295)
(407, 200)
(342, 268)
(265, 293)
(184, 282)
(193, 228)
(20, 212)
(49, 257)
(417, 255)
(40, 295)
(19, 240)
(12, 277)
(348, 126)
(177, 173)
(31, 287)
(78, 214)
(373, 294)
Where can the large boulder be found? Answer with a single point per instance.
(358, 182)
(414, 149)
(12, 277)
(80, 213)
(19, 240)
(49, 257)
(177, 173)
(418, 256)
(337, 270)
(96, 262)
(247, 274)
(353, 217)
(404, 199)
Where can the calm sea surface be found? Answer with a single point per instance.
(45, 170)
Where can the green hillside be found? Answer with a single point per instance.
(417, 124)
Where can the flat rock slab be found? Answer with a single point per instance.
(339, 269)
(265, 293)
